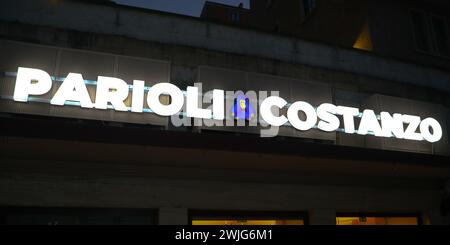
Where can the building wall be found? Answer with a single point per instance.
(235, 15)
(386, 25)
(392, 30)
(336, 22)
(185, 31)
(282, 17)
(229, 73)
(64, 173)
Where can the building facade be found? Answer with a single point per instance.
(235, 15)
(73, 165)
(416, 31)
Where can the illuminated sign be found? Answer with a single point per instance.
(326, 117)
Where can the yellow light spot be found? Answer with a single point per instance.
(364, 40)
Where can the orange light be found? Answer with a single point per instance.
(247, 222)
(377, 221)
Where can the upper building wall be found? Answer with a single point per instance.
(185, 31)
(277, 16)
(398, 27)
(416, 31)
(337, 22)
(221, 13)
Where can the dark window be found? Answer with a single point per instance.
(235, 16)
(308, 6)
(421, 31)
(430, 33)
(440, 34)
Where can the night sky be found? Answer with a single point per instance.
(185, 7)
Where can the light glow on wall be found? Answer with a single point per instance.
(364, 39)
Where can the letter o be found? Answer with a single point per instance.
(177, 99)
(311, 115)
(425, 130)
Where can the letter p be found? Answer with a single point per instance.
(31, 82)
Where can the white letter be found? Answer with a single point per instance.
(425, 130)
(177, 99)
(113, 90)
(348, 114)
(266, 111)
(137, 99)
(329, 122)
(392, 125)
(368, 123)
(25, 85)
(311, 116)
(192, 109)
(218, 104)
(410, 132)
(73, 89)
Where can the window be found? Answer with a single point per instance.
(308, 6)
(247, 222)
(430, 33)
(235, 17)
(420, 31)
(246, 218)
(440, 34)
(376, 219)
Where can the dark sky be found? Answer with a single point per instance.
(185, 7)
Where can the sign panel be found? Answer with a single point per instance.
(111, 94)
